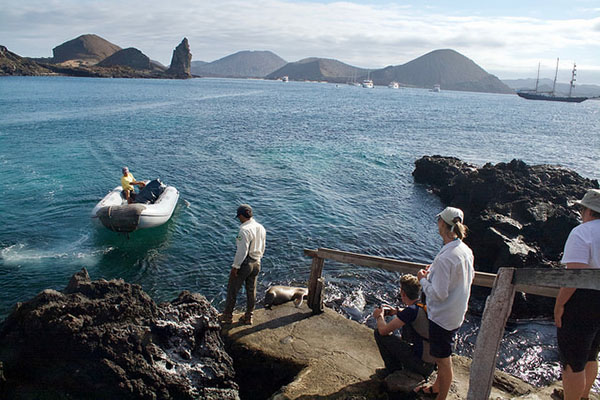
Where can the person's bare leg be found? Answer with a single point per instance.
(444, 377)
(573, 383)
(591, 372)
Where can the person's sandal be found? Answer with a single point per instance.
(246, 319)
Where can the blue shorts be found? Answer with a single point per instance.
(441, 341)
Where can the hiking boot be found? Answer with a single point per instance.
(246, 319)
(225, 318)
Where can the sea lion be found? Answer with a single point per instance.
(280, 294)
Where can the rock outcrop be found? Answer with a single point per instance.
(518, 215)
(181, 61)
(109, 340)
(13, 64)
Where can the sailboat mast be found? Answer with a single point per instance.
(572, 79)
(537, 80)
(555, 76)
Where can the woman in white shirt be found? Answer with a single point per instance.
(446, 284)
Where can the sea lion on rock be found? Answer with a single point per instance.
(281, 294)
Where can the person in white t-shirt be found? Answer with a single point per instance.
(577, 311)
(446, 284)
(250, 243)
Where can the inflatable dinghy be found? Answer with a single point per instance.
(153, 206)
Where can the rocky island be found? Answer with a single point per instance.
(93, 56)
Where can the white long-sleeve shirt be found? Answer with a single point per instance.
(250, 241)
(448, 285)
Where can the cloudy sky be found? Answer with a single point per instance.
(507, 38)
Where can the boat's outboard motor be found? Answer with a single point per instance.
(150, 193)
(121, 218)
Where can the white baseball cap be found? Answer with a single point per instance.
(450, 214)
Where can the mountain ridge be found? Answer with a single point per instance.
(243, 64)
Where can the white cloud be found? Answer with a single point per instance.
(370, 35)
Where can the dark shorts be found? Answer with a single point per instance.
(441, 341)
(579, 337)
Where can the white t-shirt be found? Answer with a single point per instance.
(448, 285)
(583, 245)
(250, 242)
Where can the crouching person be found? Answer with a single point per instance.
(411, 350)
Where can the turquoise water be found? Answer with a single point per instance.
(323, 166)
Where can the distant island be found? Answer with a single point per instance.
(92, 56)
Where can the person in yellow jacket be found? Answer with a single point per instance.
(127, 182)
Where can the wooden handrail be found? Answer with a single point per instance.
(483, 279)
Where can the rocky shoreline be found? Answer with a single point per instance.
(109, 340)
(518, 215)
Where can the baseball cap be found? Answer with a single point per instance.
(449, 214)
(125, 169)
(591, 200)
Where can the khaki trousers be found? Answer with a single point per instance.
(248, 274)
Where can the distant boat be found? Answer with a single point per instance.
(367, 83)
(285, 78)
(551, 96)
(394, 85)
(436, 88)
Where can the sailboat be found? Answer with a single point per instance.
(368, 83)
(551, 96)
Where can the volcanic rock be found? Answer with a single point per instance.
(181, 61)
(518, 215)
(109, 340)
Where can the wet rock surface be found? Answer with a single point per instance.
(518, 215)
(108, 339)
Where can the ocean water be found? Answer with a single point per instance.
(323, 165)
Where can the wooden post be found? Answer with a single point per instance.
(497, 309)
(315, 291)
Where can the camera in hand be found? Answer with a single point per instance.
(386, 309)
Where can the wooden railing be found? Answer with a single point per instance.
(543, 282)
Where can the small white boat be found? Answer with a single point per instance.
(394, 85)
(436, 88)
(153, 207)
(367, 83)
